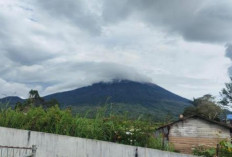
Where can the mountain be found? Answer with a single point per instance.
(10, 101)
(134, 97)
(119, 92)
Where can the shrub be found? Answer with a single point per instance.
(113, 128)
(204, 151)
(225, 148)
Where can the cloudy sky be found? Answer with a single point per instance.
(57, 45)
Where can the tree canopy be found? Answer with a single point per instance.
(204, 106)
(34, 99)
(226, 93)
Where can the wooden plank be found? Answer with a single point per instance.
(186, 144)
(198, 128)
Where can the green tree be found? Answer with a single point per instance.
(191, 110)
(34, 94)
(205, 106)
(226, 93)
(35, 100)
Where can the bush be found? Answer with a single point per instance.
(224, 150)
(113, 128)
(204, 151)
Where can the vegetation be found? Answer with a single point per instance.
(135, 98)
(204, 151)
(204, 106)
(112, 128)
(224, 149)
(34, 99)
(108, 123)
(132, 111)
(226, 93)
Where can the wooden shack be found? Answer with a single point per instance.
(190, 132)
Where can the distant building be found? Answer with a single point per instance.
(190, 132)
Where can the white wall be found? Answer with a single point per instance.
(51, 145)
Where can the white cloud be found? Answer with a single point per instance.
(61, 45)
(15, 89)
(198, 20)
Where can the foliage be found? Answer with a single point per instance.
(204, 106)
(159, 144)
(133, 97)
(126, 96)
(225, 148)
(112, 128)
(133, 111)
(204, 151)
(34, 99)
(226, 93)
(189, 111)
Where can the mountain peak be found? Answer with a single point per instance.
(120, 91)
(118, 81)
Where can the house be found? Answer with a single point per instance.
(190, 132)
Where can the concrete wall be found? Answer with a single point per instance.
(51, 145)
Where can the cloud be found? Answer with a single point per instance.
(86, 73)
(20, 44)
(229, 51)
(70, 75)
(198, 20)
(26, 55)
(75, 12)
(61, 45)
(15, 89)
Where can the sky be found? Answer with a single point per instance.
(59, 45)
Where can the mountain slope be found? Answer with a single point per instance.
(134, 97)
(119, 92)
(11, 100)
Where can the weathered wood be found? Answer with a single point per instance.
(187, 144)
(198, 128)
(192, 132)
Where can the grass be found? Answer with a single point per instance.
(102, 126)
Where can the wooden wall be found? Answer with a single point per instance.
(187, 134)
